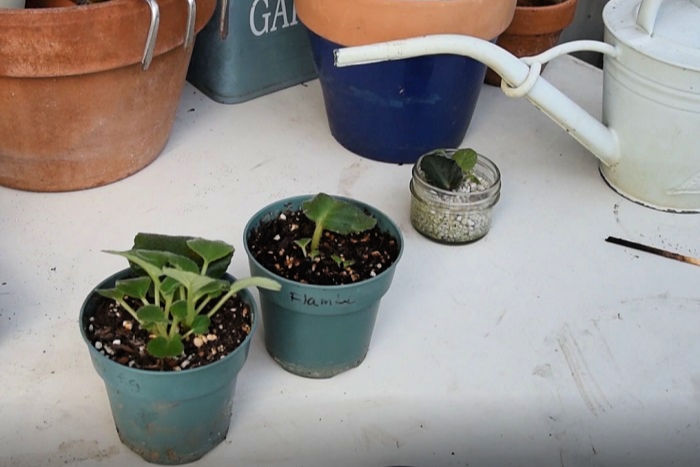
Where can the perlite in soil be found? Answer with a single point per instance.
(453, 193)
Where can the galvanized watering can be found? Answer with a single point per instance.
(649, 141)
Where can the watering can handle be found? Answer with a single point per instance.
(646, 16)
(536, 62)
(648, 11)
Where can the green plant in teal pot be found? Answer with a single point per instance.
(168, 336)
(335, 258)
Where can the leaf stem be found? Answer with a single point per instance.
(316, 239)
(128, 308)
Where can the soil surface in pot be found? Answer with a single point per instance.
(365, 254)
(115, 334)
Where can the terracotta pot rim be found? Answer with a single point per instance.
(533, 20)
(60, 41)
(360, 22)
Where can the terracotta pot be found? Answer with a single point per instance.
(360, 22)
(78, 109)
(536, 27)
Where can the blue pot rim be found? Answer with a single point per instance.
(244, 294)
(285, 202)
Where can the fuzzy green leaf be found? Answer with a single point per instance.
(136, 287)
(210, 250)
(336, 215)
(149, 263)
(441, 172)
(168, 286)
(149, 314)
(201, 324)
(182, 262)
(162, 347)
(114, 294)
(179, 309)
(156, 258)
(256, 281)
(178, 245)
(194, 283)
(466, 159)
(214, 288)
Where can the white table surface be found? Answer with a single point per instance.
(540, 344)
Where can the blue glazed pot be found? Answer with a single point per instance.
(169, 417)
(395, 111)
(319, 331)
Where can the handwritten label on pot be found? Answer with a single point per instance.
(311, 301)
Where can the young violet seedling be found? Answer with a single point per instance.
(335, 215)
(447, 172)
(175, 290)
(303, 243)
(341, 262)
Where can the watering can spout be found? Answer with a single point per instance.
(521, 78)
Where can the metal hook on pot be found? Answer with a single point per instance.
(223, 20)
(191, 16)
(152, 35)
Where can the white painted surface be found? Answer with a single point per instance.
(539, 345)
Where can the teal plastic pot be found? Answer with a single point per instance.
(318, 331)
(169, 417)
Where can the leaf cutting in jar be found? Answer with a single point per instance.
(441, 172)
(447, 172)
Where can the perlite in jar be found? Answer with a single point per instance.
(456, 216)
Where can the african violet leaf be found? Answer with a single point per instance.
(214, 289)
(178, 245)
(149, 263)
(149, 314)
(335, 215)
(136, 287)
(466, 159)
(114, 294)
(194, 283)
(441, 172)
(182, 262)
(255, 281)
(179, 310)
(200, 325)
(209, 250)
(168, 287)
(162, 346)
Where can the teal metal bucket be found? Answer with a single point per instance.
(250, 48)
(319, 331)
(169, 417)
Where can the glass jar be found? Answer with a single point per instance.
(460, 216)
